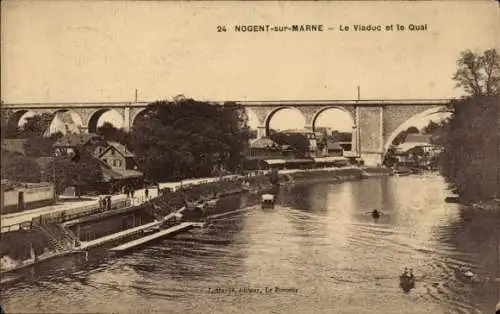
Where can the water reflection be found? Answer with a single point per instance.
(320, 239)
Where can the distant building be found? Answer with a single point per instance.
(417, 150)
(263, 148)
(21, 196)
(258, 150)
(333, 149)
(417, 144)
(344, 139)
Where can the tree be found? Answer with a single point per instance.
(470, 137)
(110, 133)
(470, 160)
(400, 138)
(297, 141)
(37, 125)
(84, 171)
(322, 141)
(19, 168)
(40, 146)
(479, 74)
(433, 127)
(187, 138)
(412, 130)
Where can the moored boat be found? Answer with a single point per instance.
(267, 201)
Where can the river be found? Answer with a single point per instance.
(320, 243)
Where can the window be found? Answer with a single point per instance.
(105, 160)
(113, 152)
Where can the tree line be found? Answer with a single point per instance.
(471, 136)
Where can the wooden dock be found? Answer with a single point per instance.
(117, 236)
(135, 243)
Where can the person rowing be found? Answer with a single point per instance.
(407, 280)
(375, 214)
(466, 272)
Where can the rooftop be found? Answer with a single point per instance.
(121, 149)
(118, 174)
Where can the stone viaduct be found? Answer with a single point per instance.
(376, 122)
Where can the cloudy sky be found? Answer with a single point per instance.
(102, 51)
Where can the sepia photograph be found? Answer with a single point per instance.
(336, 157)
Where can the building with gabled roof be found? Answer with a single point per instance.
(119, 166)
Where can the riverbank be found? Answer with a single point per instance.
(173, 206)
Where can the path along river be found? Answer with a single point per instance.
(320, 240)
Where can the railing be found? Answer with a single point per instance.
(14, 227)
(77, 213)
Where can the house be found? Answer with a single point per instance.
(418, 145)
(120, 167)
(417, 150)
(259, 150)
(331, 149)
(263, 148)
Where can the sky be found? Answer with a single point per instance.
(92, 51)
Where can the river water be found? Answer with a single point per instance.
(320, 245)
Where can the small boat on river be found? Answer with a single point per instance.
(401, 172)
(465, 274)
(267, 201)
(406, 282)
